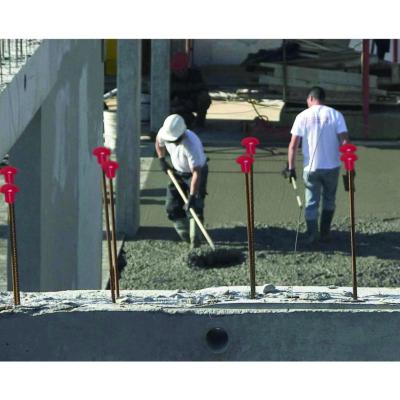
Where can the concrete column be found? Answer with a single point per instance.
(128, 139)
(59, 206)
(160, 82)
(26, 156)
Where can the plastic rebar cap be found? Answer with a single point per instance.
(250, 143)
(8, 173)
(349, 160)
(245, 162)
(9, 191)
(110, 168)
(102, 154)
(348, 148)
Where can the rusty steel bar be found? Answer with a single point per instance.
(251, 190)
(114, 238)
(250, 239)
(352, 233)
(108, 233)
(14, 257)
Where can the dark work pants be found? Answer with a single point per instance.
(174, 203)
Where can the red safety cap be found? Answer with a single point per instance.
(349, 160)
(250, 143)
(8, 173)
(102, 154)
(245, 162)
(9, 191)
(348, 148)
(110, 168)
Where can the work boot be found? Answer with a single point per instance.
(181, 227)
(325, 225)
(312, 231)
(194, 237)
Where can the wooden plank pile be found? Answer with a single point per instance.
(327, 63)
(341, 87)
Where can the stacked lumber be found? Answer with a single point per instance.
(341, 87)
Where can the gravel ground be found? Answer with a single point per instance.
(165, 264)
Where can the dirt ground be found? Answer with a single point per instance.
(157, 260)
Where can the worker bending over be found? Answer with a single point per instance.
(322, 130)
(190, 168)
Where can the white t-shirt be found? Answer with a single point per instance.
(188, 154)
(319, 126)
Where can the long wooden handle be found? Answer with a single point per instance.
(194, 215)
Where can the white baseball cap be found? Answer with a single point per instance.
(173, 128)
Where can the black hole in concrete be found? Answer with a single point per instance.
(220, 258)
(217, 339)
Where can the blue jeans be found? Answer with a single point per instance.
(320, 180)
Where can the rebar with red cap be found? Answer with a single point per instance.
(246, 167)
(9, 190)
(251, 143)
(110, 170)
(349, 157)
(102, 154)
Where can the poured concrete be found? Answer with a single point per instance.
(283, 323)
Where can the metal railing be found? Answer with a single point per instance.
(13, 55)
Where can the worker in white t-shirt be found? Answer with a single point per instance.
(189, 165)
(322, 130)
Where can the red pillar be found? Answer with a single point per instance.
(365, 85)
(395, 50)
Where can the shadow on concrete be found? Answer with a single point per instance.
(157, 233)
(383, 245)
(158, 192)
(152, 202)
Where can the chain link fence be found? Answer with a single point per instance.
(13, 55)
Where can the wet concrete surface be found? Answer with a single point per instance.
(156, 259)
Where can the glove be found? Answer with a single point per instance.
(346, 181)
(191, 203)
(289, 173)
(164, 165)
(292, 175)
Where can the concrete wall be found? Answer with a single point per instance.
(53, 115)
(154, 335)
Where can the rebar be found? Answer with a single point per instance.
(14, 257)
(114, 237)
(250, 237)
(108, 233)
(352, 233)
